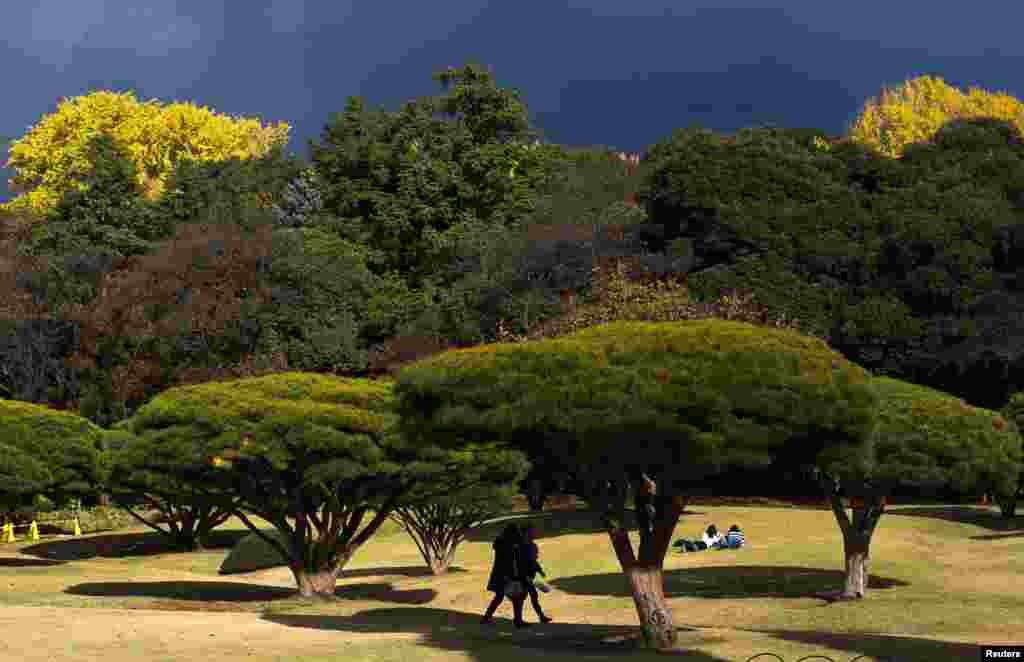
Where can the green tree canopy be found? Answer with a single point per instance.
(908, 267)
(311, 454)
(410, 184)
(48, 452)
(924, 438)
(650, 407)
(107, 216)
(1008, 499)
(189, 513)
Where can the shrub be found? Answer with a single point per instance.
(253, 553)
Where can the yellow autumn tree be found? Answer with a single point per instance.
(54, 154)
(914, 112)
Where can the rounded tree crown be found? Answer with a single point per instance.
(927, 437)
(44, 450)
(680, 394)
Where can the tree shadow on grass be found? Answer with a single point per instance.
(462, 633)
(550, 524)
(999, 536)
(239, 592)
(883, 647)
(14, 562)
(388, 571)
(396, 571)
(734, 581)
(977, 515)
(118, 545)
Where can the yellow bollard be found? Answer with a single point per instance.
(78, 529)
(9, 532)
(33, 531)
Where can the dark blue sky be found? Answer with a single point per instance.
(613, 72)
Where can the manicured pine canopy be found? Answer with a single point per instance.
(924, 438)
(670, 399)
(188, 514)
(317, 449)
(928, 438)
(652, 407)
(47, 452)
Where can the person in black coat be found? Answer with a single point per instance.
(508, 565)
(530, 554)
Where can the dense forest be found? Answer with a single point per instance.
(128, 268)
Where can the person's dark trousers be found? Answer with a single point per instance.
(535, 601)
(517, 608)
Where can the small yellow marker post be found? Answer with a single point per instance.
(78, 529)
(9, 532)
(33, 531)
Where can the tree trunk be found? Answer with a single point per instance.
(656, 626)
(319, 584)
(438, 566)
(867, 507)
(186, 532)
(536, 502)
(1007, 505)
(188, 541)
(645, 569)
(855, 547)
(535, 496)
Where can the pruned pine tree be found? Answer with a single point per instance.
(47, 452)
(188, 514)
(312, 454)
(924, 438)
(439, 525)
(647, 408)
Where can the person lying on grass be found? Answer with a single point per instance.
(733, 540)
(711, 537)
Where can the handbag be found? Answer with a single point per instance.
(541, 585)
(513, 587)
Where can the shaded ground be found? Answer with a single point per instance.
(118, 545)
(981, 516)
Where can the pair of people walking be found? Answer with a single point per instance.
(513, 574)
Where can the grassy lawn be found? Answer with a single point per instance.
(942, 578)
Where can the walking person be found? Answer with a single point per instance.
(507, 576)
(531, 566)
